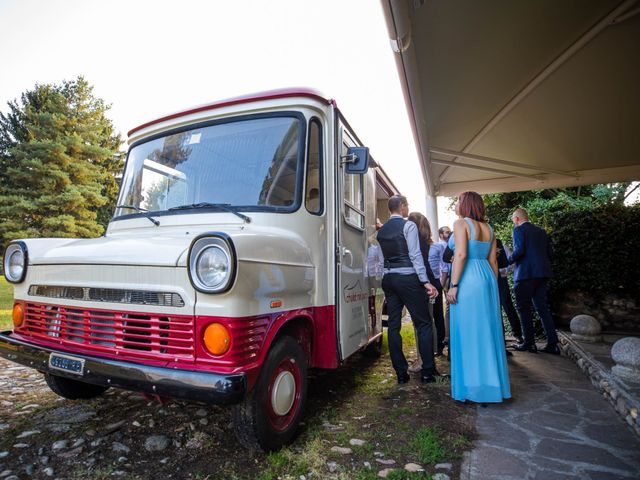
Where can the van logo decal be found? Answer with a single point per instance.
(354, 293)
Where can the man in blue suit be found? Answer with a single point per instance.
(532, 258)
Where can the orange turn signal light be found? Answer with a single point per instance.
(17, 315)
(217, 339)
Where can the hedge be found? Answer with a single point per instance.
(595, 249)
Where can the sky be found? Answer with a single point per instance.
(150, 58)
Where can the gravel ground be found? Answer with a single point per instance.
(358, 422)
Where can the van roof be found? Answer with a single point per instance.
(252, 97)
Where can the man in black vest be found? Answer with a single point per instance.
(404, 283)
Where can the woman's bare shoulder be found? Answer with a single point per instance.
(462, 227)
(460, 222)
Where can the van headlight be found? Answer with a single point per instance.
(15, 262)
(212, 263)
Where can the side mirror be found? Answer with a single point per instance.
(357, 160)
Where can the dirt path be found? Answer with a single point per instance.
(375, 423)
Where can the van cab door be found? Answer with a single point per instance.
(352, 289)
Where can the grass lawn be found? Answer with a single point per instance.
(6, 304)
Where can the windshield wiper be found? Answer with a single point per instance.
(222, 206)
(138, 209)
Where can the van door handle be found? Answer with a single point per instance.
(347, 252)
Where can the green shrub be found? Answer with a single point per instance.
(596, 250)
(596, 241)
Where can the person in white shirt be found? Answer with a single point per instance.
(404, 283)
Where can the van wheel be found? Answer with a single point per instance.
(73, 389)
(269, 416)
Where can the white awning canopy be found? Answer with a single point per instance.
(510, 95)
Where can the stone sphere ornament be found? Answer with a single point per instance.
(586, 328)
(626, 353)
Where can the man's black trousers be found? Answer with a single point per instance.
(507, 305)
(438, 319)
(529, 293)
(401, 291)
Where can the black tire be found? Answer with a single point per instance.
(73, 389)
(256, 423)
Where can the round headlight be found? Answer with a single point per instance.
(212, 263)
(15, 262)
(213, 266)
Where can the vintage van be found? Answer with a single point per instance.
(241, 253)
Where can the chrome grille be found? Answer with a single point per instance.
(113, 295)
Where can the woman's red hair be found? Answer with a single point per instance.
(470, 205)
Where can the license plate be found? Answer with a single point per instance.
(66, 363)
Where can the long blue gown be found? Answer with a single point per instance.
(478, 360)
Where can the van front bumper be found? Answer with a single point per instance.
(201, 386)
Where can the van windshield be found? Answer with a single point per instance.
(249, 164)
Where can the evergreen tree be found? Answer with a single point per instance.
(59, 157)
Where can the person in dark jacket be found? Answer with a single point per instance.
(532, 258)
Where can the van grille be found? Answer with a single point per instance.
(151, 336)
(113, 295)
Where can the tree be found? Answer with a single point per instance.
(59, 158)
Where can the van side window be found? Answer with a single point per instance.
(353, 196)
(313, 190)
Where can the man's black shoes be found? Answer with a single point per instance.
(523, 347)
(404, 378)
(552, 349)
(427, 379)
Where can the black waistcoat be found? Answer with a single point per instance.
(393, 244)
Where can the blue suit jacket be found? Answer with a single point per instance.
(531, 252)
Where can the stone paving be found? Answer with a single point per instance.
(557, 426)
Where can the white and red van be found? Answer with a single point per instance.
(242, 253)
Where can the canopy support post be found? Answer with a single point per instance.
(432, 215)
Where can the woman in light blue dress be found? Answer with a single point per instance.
(478, 361)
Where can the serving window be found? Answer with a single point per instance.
(314, 194)
(353, 189)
